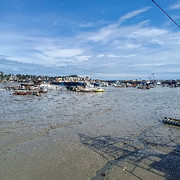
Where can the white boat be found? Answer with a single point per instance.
(50, 86)
(88, 89)
(99, 90)
(92, 89)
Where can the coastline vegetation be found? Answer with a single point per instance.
(26, 77)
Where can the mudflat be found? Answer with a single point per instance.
(114, 135)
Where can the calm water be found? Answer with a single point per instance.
(120, 114)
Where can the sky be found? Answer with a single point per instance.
(104, 39)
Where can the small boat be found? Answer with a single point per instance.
(172, 121)
(99, 90)
(92, 89)
(22, 92)
(42, 90)
(88, 89)
(119, 85)
(143, 87)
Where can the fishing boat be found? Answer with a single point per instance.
(99, 90)
(22, 92)
(92, 89)
(172, 121)
(87, 89)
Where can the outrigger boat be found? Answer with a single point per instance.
(99, 90)
(91, 89)
(172, 121)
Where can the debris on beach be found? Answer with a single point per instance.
(103, 174)
(124, 168)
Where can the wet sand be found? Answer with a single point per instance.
(72, 136)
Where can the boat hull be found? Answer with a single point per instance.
(171, 121)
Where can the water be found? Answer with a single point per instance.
(69, 135)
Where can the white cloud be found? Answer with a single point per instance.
(124, 45)
(132, 14)
(156, 41)
(148, 32)
(103, 34)
(115, 56)
(82, 58)
(175, 6)
(86, 25)
(57, 53)
(119, 75)
(149, 64)
(114, 30)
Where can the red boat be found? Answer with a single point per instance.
(22, 93)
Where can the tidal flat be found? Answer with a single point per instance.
(65, 135)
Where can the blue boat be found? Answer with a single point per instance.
(172, 121)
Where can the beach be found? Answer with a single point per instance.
(64, 135)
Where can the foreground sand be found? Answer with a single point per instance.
(105, 141)
(75, 151)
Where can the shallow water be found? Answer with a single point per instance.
(69, 135)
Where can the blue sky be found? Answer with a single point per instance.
(106, 39)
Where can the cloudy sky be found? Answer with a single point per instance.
(106, 39)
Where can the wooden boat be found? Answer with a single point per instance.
(172, 121)
(99, 90)
(92, 89)
(22, 92)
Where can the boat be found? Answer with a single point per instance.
(172, 121)
(88, 89)
(92, 89)
(22, 92)
(117, 85)
(99, 90)
(42, 90)
(36, 92)
(143, 87)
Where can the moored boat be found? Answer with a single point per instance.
(99, 90)
(172, 121)
(22, 92)
(88, 89)
(92, 89)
